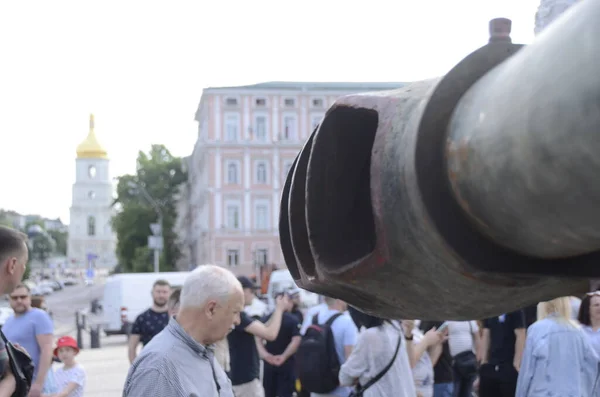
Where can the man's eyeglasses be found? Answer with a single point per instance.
(17, 297)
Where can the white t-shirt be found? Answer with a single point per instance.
(460, 336)
(75, 374)
(423, 371)
(373, 352)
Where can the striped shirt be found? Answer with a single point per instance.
(175, 365)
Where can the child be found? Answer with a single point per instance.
(70, 379)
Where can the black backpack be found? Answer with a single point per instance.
(21, 366)
(317, 361)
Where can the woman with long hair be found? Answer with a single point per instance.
(589, 318)
(558, 359)
(380, 344)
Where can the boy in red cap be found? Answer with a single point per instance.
(70, 379)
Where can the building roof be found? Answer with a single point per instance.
(90, 148)
(309, 86)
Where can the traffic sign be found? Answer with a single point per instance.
(156, 228)
(155, 242)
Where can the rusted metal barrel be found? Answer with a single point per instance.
(388, 206)
(524, 144)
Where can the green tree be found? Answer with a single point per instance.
(159, 174)
(60, 238)
(42, 246)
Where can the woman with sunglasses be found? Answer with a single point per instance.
(589, 318)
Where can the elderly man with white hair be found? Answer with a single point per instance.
(180, 361)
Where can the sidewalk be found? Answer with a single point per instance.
(106, 367)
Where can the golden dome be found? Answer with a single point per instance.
(90, 148)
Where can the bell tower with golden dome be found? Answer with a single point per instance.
(92, 241)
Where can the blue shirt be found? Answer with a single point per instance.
(25, 328)
(594, 337)
(558, 360)
(344, 334)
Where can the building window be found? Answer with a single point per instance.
(289, 102)
(231, 102)
(287, 166)
(92, 171)
(232, 173)
(91, 226)
(261, 128)
(262, 256)
(261, 217)
(232, 122)
(317, 103)
(233, 216)
(289, 128)
(315, 121)
(233, 257)
(261, 173)
(260, 102)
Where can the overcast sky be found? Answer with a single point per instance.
(140, 67)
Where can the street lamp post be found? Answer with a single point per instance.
(156, 241)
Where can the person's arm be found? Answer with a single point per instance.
(134, 338)
(291, 348)
(350, 336)
(435, 352)
(8, 384)
(520, 336)
(356, 364)
(262, 351)
(485, 342)
(132, 345)
(476, 340)
(263, 331)
(44, 335)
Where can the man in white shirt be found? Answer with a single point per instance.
(310, 313)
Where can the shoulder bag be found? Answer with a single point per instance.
(360, 390)
(21, 366)
(465, 363)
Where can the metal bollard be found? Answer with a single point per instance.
(95, 337)
(79, 330)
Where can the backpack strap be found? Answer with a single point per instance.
(315, 320)
(380, 375)
(332, 319)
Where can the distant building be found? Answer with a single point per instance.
(248, 137)
(91, 238)
(20, 221)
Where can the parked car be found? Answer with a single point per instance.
(41, 290)
(70, 281)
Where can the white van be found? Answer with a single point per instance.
(282, 280)
(127, 295)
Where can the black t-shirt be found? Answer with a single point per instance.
(290, 327)
(443, 368)
(502, 336)
(148, 324)
(298, 313)
(244, 361)
(530, 314)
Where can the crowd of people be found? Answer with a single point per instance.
(199, 341)
(332, 349)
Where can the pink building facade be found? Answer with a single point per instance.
(248, 138)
